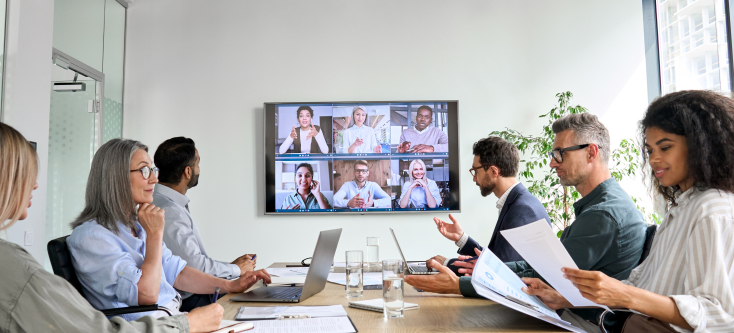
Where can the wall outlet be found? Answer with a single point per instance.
(28, 238)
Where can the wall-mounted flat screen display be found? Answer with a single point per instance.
(361, 157)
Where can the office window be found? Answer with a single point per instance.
(693, 48)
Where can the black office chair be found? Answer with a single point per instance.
(60, 258)
(649, 235)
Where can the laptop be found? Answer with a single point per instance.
(323, 257)
(416, 267)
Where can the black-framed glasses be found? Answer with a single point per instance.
(362, 171)
(473, 171)
(146, 171)
(557, 154)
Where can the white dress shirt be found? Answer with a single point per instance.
(306, 143)
(365, 133)
(182, 236)
(692, 260)
(500, 203)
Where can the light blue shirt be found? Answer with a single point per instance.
(311, 202)
(418, 194)
(108, 266)
(350, 189)
(182, 236)
(365, 133)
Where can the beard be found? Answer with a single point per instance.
(567, 180)
(193, 181)
(487, 189)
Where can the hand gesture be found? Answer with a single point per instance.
(151, 218)
(315, 187)
(293, 132)
(600, 288)
(247, 280)
(297, 206)
(422, 183)
(355, 202)
(467, 263)
(205, 318)
(369, 202)
(451, 231)
(548, 295)
(245, 263)
(312, 133)
(377, 149)
(421, 148)
(358, 142)
(403, 147)
(438, 259)
(445, 282)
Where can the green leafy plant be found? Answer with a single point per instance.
(558, 199)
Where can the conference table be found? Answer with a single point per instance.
(437, 313)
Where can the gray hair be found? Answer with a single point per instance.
(586, 128)
(109, 197)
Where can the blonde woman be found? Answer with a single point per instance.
(360, 138)
(38, 301)
(419, 192)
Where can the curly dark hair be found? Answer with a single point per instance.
(499, 152)
(706, 119)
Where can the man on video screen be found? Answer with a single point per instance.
(422, 138)
(361, 193)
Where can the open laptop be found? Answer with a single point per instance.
(323, 257)
(416, 267)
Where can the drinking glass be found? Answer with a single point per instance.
(373, 251)
(393, 291)
(354, 274)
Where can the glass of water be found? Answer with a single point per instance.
(393, 288)
(354, 274)
(373, 251)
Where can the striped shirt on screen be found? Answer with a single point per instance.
(692, 260)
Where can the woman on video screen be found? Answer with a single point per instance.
(359, 137)
(302, 137)
(308, 194)
(419, 192)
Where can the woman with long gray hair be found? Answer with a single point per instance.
(117, 242)
(35, 300)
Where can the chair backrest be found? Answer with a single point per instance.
(60, 258)
(649, 235)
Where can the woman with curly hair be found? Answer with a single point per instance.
(686, 282)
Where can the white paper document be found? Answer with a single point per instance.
(493, 280)
(272, 312)
(288, 271)
(369, 278)
(287, 280)
(542, 249)
(230, 325)
(325, 325)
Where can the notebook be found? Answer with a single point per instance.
(376, 305)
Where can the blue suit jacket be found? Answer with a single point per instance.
(521, 208)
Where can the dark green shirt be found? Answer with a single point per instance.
(607, 236)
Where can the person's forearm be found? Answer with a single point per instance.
(321, 201)
(152, 269)
(430, 200)
(197, 282)
(322, 143)
(657, 306)
(286, 144)
(405, 199)
(351, 149)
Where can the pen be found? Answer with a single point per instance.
(470, 259)
(216, 295)
(253, 257)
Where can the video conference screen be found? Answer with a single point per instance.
(361, 157)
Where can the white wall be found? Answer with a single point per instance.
(27, 100)
(203, 70)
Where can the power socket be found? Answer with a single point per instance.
(28, 238)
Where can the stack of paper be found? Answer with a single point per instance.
(287, 280)
(288, 271)
(377, 305)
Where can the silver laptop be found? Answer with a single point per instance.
(416, 267)
(323, 257)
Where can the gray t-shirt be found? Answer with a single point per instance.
(34, 300)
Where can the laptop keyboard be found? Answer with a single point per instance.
(286, 293)
(418, 268)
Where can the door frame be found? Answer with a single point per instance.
(66, 61)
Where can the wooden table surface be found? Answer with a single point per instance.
(437, 313)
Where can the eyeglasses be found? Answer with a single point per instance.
(473, 171)
(146, 170)
(557, 154)
(362, 171)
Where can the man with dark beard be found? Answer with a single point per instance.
(178, 161)
(495, 167)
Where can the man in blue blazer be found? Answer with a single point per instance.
(495, 167)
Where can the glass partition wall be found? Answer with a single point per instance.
(86, 100)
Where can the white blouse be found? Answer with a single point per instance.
(692, 260)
